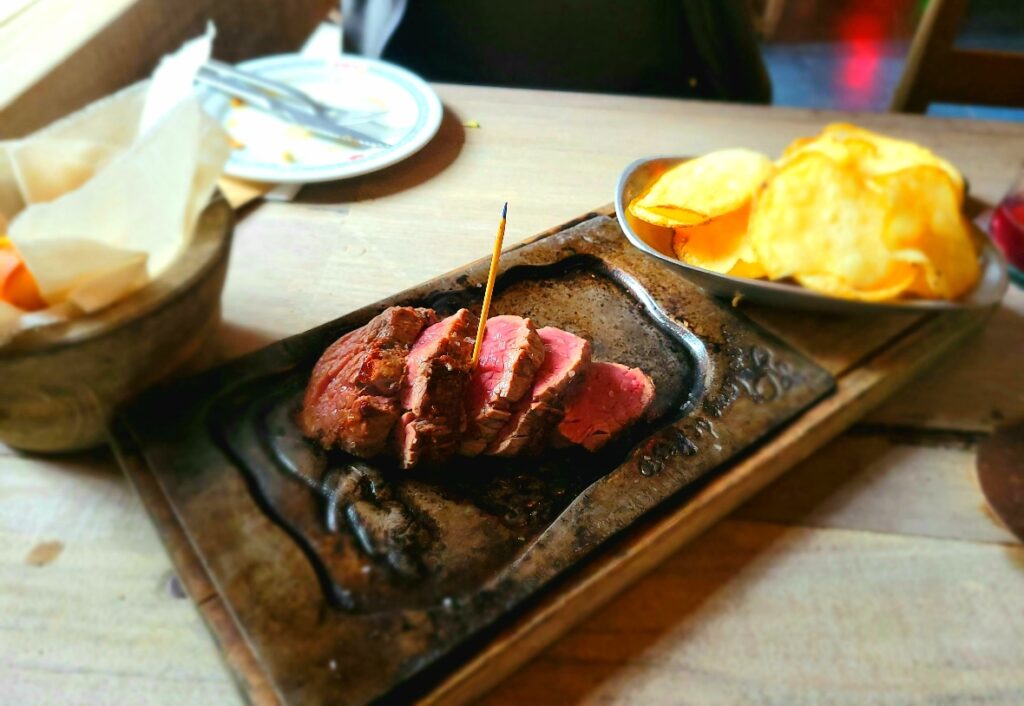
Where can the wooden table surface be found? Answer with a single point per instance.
(870, 574)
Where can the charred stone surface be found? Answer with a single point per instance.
(353, 580)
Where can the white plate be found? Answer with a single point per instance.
(272, 150)
(656, 241)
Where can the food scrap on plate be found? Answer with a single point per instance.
(849, 213)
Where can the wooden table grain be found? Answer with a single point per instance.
(871, 573)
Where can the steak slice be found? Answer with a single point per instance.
(433, 400)
(510, 354)
(351, 399)
(612, 398)
(566, 360)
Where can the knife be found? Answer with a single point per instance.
(1001, 475)
(316, 124)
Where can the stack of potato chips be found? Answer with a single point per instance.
(849, 213)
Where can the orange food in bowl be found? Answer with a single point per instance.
(17, 285)
(721, 245)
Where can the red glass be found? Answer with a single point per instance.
(1007, 227)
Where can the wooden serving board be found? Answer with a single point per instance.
(316, 600)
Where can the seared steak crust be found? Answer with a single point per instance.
(433, 392)
(351, 399)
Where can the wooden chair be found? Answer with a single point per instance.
(766, 16)
(936, 71)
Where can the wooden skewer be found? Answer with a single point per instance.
(492, 274)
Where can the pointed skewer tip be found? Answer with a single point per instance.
(504, 210)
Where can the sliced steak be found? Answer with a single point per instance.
(351, 399)
(612, 398)
(566, 360)
(433, 400)
(510, 354)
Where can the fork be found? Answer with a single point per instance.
(282, 91)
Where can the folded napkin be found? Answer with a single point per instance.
(102, 201)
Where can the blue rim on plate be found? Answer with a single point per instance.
(655, 241)
(288, 68)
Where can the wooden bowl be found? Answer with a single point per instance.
(60, 384)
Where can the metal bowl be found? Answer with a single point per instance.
(656, 241)
(60, 384)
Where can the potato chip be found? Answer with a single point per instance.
(819, 218)
(666, 216)
(887, 155)
(750, 270)
(887, 289)
(703, 188)
(851, 151)
(925, 227)
(849, 213)
(717, 245)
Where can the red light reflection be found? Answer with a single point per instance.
(858, 72)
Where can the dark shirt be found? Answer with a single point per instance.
(694, 48)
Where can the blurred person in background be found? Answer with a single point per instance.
(690, 48)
